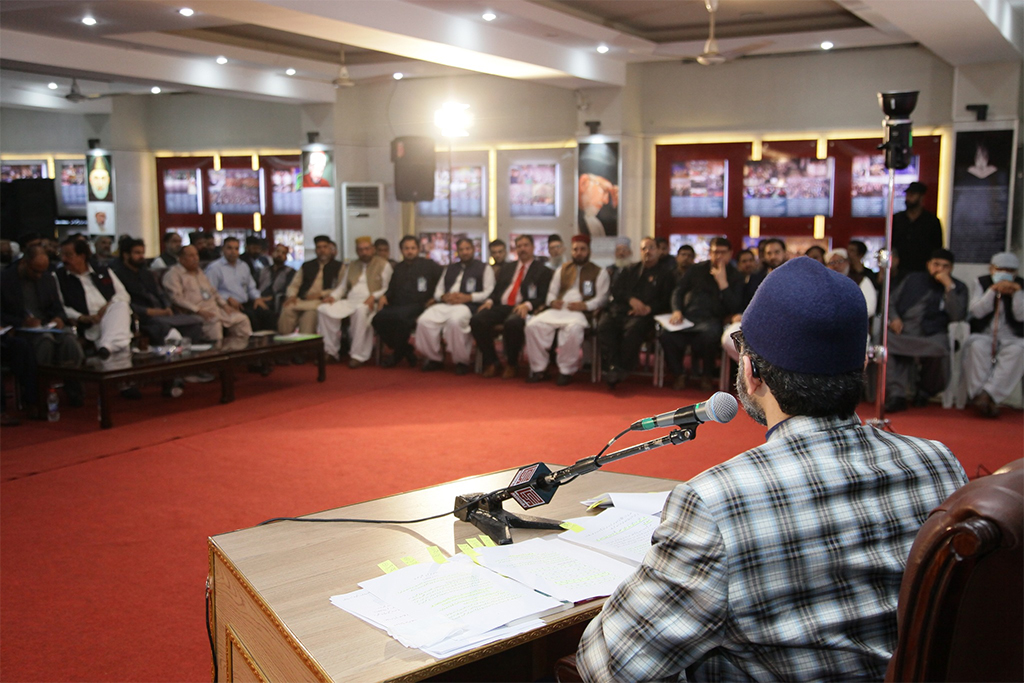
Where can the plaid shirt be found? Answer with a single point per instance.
(783, 563)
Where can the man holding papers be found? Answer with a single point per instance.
(783, 563)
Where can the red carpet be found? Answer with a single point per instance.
(103, 558)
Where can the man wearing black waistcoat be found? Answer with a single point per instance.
(521, 287)
(412, 285)
(315, 279)
(94, 298)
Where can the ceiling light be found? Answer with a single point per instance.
(489, 16)
(222, 60)
(602, 48)
(289, 72)
(186, 12)
(52, 86)
(398, 75)
(827, 45)
(88, 21)
(155, 90)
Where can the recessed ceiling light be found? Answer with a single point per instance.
(398, 75)
(88, 21)
(186, 12)
(222, 60)
(52, 86)
(155, 90)
(289, 72)
(602, 48)
(489, 16)
(827, 45)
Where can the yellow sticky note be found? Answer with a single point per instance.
(475, 542)
(436, 554)
(570, 526)
(487, 541)
(388, 566)
(598, 503)
(410, 560)
(468, 549)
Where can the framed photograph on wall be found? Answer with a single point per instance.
(182, 191)
(982, 170)
(698, 188)
(598, 199)
(532, 190)
(467, 190)
(869, 185)
(235, 190)
(780, 187)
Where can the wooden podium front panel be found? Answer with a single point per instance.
(272, 584)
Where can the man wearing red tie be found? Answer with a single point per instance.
(521, 287)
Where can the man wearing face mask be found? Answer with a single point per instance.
(995, 349)
(783, 563)
(916, 232)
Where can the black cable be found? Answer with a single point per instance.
(209, 631)
(379, 521)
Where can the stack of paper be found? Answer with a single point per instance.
(619, 532)
(645, 503)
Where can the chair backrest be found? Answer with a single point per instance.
(961, 603)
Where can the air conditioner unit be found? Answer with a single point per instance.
(362, 213)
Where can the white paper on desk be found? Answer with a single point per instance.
(565, 571)
(462, 592)
(621, 533)
(663, 320)
(470, 641)
(398, 623)
(644, 503)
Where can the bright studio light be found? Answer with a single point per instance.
(827, 45)
(398, 75)
(155, 90)
(602, 48)
(222, 60)
(186, 12)
(52, 86)
(289, 72)
(453, 119)
(489, 16)
(88, 21)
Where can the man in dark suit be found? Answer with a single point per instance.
(411, 287)
(521, 287)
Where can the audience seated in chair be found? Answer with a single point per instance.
(994, 356)
(578, 289)
(94, 298)
(315, 279)
(462, 287)
(274, 279)
(169, 254)
(412, 286)
(190, 291)
(520, 288)
(921, 309)
(839, 261)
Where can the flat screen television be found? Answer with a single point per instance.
(698, 188)
(532, 190)
(701, 245)
(435, 245)
(869, 186)
(467, 193)
(181, 191)
(286, 186)
(783, 187)
(235, 190)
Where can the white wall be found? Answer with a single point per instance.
(25, 131)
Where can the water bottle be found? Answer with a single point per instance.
(52, 406)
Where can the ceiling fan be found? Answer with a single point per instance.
(76, 95)
(711, 55)
(343, 80)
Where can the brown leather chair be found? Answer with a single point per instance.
(961, 603)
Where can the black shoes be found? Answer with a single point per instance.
(563, 380)
(461, 369)
(432, 366)
(535, 377)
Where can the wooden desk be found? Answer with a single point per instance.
(271, 615)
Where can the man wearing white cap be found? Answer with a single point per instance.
(839, 261)
(365, 281)
(994, 355)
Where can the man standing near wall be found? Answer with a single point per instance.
(916, 232)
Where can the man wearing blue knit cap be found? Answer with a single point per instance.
(783, 563)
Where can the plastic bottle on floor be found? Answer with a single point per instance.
(52, 406)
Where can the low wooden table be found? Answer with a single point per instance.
(221, 360)
(270, 587)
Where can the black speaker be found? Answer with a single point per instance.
(28, 205)
(413, 157)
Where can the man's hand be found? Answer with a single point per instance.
(207, 314)
(638, 308)
(312, 297)
(157, 312)
(234, 303)
(430, 302)
(1006, 288)
(896, 326)
(577, 306)
(370, 302)
(718, 272)
(290, 301)
(489, 303)
(32, 321)
(58, 323)
(382, 301)
(736, 318)
(677, 318)
(261, 302)
(557, 304)
(327, 299)
(522, 310)
(945, 279)
(87, 320)
(100, 313)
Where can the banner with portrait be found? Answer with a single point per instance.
(598, 197)
(99, 210)
(981, 194)
(317, 169)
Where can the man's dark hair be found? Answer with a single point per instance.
(322, 238)
(862, 249)
(799, 393)
(195, 236)
(721, 242)
(944, 254)
(168, 235)
(686, 247)
(497, 243)
(381, 242)
(554, 238)
(81, 246)
(408, 238)
(662, 242)
(747, 251)
(467, 240)
(28, 237)
(125, 245)
(229, 239)
(771, 240)
(525, 237)
(255, 242)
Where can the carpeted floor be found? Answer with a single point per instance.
(103, 557)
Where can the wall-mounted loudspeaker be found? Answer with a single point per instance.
(413, 157)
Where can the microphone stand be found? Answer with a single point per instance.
(535, 485)
(879, 355)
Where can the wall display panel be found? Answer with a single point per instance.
(467, 190)
(787, 187)
(21, 170)
(73, 192)
(285, 185)
(435, 245)
(532, 190)
(982, 169)
(235, 190)
(182, 190)
(540, 244)
(796, 245)
(701, 244)
(293, 239)
(693, 158)
(869, 185)
(698, 188)
(238, 233)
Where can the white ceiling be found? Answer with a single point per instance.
(136, 44)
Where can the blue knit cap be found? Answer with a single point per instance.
(809, 319)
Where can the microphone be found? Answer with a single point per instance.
(721, 407)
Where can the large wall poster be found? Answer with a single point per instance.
(869, 186)
(531, 190)
(784, 187)
(598, 214)
(698, 188)
(981, 194)
(467, 190)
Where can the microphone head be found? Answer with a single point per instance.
(721, 407)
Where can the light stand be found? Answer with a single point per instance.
(897, 142)
(535, 485)
(453, 119)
